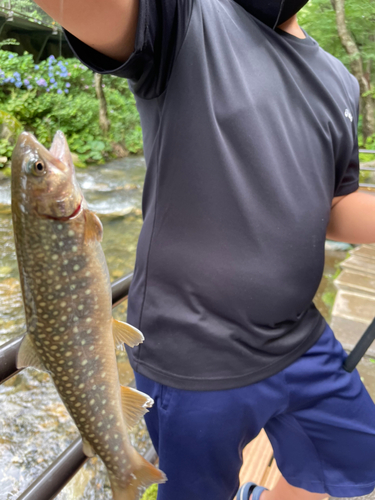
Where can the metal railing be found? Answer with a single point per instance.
(49, 484)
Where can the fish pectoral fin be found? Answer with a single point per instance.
(134, 404)
(27, 355)
(125, 333)
(87, 449)
(93, 227)
(142, 474)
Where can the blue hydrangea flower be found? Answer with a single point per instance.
(11, 56)
(29, 87)
(41, 82)
(59, 91)
(67, 85)
(36, 67)
(18, 84)
(26, 81)
(52, 80)
(66, 91)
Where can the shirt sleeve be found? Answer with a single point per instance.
(161, 29)
(347, 179)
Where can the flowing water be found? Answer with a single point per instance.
(34, 425)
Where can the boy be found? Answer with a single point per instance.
(250, 139)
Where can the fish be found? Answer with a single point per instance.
(67, 299)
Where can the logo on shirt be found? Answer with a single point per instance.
(348, 114)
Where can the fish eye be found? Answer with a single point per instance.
(39, 168)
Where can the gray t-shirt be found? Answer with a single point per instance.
(248, 135)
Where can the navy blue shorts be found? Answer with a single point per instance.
(319, 418)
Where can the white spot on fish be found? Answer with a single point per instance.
(71, 233)
(55, 257)
(87, 292)
(76, 267)
(74, 248)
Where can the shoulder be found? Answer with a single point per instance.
(348, 78)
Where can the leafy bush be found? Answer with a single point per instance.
(60, 94)
(151, 493)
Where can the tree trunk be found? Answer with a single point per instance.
(356, 66)
(103, 116)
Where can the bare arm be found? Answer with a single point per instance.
(353, 218)
(108, 26)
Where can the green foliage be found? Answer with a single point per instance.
(28, 8)
(319, 19)
(59, 94)
(8, 41)
(151, 493)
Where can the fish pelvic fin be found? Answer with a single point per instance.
(87, 449)
(144, 474)
(27, 355)
(134, 404)
(123, 333)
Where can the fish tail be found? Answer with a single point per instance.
(143, 475)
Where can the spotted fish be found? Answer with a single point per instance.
(67, 296)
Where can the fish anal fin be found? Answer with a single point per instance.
(143, 475)
(27, 355)
(87, 449)
(93, 227)
(134, 404)
(125, 333)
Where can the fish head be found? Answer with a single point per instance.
(44, 183)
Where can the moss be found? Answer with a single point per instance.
(151, 493)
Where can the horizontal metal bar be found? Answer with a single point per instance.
(52, 481)
(9, 350)
(369, 151)
(8, 357)
(61, 471)
(120, 289)
(367, 169)
(369, 186)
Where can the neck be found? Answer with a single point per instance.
(291, 26)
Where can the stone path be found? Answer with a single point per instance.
(354, 306)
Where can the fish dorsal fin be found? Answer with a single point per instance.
(87, 449)
(27, 355)
(93, 227)
(125, 333)
(134, 404)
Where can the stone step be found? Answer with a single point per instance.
(354, 306)
(356, 282)
(365, 252)
(359, 264)
(348, 332)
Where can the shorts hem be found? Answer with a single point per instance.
(334, 490)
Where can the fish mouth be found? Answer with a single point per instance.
(66, 218)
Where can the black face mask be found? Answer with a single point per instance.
(272, 12)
